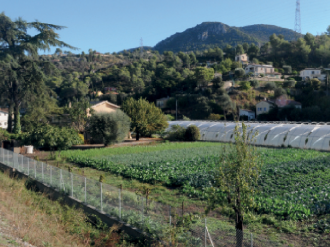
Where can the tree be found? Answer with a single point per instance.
(239, 50)
(279, 91)
(238, 177)
(225, 103)
(52, 138)
(145, 117)
(316, 84)
(217, 83)
(289, 84)
(108, 128)
(270, 86)
(78, 115)
(239, 73)
(18, 58)
(254, 83)
(192, 133)
(245, 85)
(203, 76)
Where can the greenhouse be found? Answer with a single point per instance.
(274, 134)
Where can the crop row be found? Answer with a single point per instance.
(292, 189)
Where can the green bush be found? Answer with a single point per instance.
(245, 85)
(176, 133)
(254, 83)
(279, 91)
(192, 133)
(52, 138)
(108, 128)
(214, 116)
(270, 86)
(289, 83)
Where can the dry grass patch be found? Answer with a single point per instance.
(42, 222)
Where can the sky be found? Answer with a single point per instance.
(115, 25)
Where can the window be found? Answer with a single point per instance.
(265, 109)
(313, 72)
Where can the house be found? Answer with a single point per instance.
(102, 106)
(161, 103)
(283, 101)
(243, 58)
(310, 73)
(248, 113)
(258, 69)
(210, 64)
(264, 106)
(98, 93)
(3, 118)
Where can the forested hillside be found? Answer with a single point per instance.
(216, 34)
(196, 79)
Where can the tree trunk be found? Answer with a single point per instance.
(10, 119)
(17, 119)
(137, 135)
(239, 230)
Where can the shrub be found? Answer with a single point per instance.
(51, 138)
(108, 128)
(192, 133)
(289, 83)
(254, 83)
(270, 86)
(239, 72)
(169, 117)
(214, 116)
(245, 85)
(176, 133)
(278, 92)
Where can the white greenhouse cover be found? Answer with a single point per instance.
(309, 136)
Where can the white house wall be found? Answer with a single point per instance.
(294, 135)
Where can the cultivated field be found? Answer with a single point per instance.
(295, 183)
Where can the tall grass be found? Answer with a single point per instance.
(43, 222)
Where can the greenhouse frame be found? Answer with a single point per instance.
(273, 134)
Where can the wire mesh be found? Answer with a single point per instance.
(110, 197)
(78, 187)
(93, 193)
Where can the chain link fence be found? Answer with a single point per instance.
(161, 221)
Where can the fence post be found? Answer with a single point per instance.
(141, 210)
(169, 213)
(42, 171)
(101, 197)
(71, 184)
(120, 202)
(205, 234)
(251, 240)
(51, 176)
(61, 179)
(85, 191)
(35, 169)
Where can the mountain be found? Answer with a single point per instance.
(212, 34)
